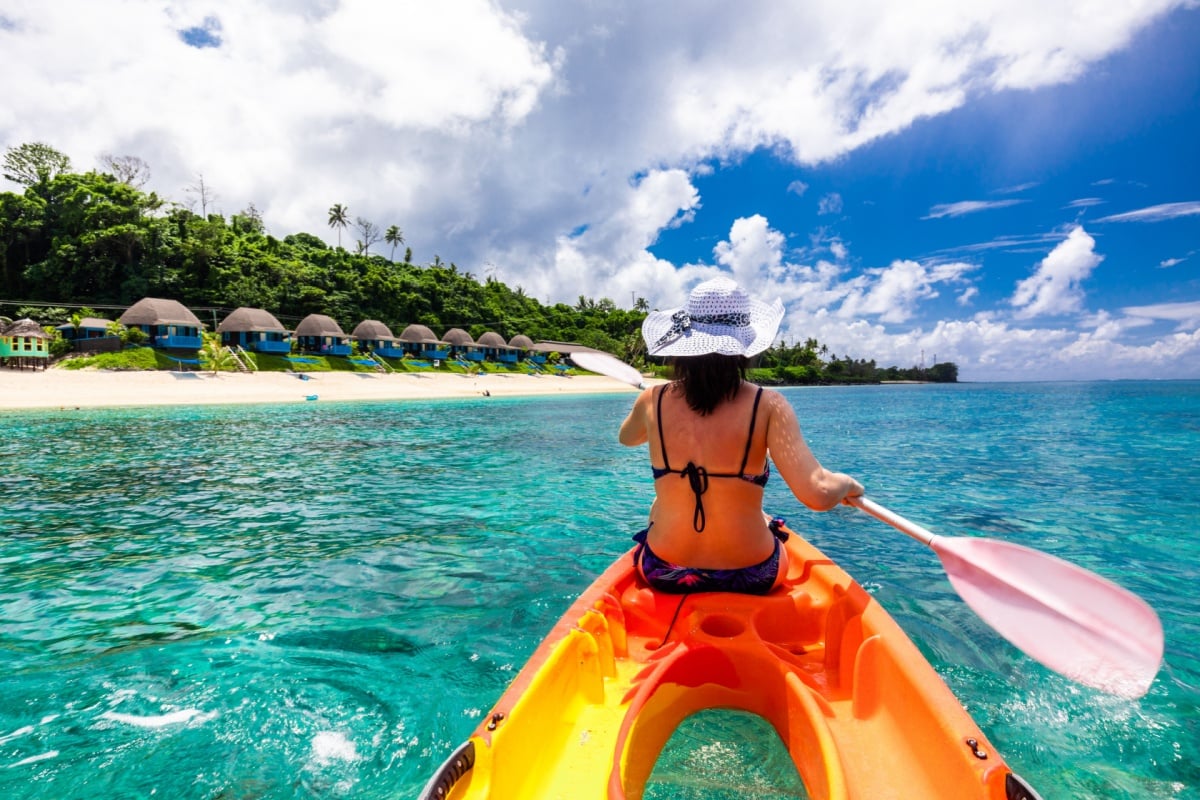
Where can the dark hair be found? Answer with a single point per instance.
(708, 379)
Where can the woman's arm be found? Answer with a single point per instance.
(818, 488)
(634, 430)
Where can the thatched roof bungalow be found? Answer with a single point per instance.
(525, 351)
(24, 344)
(463, 345)
(318, 333)
(257, 330)
(419, 341)
(496, 349)
(375, 337)
(167, 323)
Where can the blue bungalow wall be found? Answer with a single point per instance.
(469, 352)
(274, 342)
(172, 337)
(325, 345)
(71, 333)
(90, 339)
(389, 348)
(501, 356)
(427, 350)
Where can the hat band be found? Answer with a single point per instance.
(681, 320)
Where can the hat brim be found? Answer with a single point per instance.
(700, 339)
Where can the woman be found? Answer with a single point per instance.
(710, 432)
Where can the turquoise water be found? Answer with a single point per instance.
(321, 600)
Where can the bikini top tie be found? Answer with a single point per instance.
(698, 476)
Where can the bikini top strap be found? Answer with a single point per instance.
(662, 443)
(749, 435)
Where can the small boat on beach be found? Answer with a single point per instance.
(861, 712)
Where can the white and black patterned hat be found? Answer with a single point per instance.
(719, 318)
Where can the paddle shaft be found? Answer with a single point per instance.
(898, 522)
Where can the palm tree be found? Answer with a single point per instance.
(394, 236)
(339, 217)
(217, 356)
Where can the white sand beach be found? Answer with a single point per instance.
(69, 389)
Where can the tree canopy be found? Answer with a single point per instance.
(97, 239)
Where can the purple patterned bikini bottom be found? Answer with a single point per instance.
(674, 579)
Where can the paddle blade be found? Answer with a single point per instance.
(605, 364)
(1071, 620)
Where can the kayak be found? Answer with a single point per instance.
(861, 712)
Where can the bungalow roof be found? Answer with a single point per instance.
(250, 320)
(457, 336)
(159, 311)
(419, 333)
(319, 325)
(492, 339)
(373, 329)
(24, 327)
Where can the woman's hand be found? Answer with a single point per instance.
(853, 489)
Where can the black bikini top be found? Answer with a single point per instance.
(698, 476)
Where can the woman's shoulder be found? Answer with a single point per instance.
(767, 394)
(773, 403)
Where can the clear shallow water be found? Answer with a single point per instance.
(321, 600)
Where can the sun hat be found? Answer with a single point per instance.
(719, 317)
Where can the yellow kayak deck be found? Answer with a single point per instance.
(860, 710)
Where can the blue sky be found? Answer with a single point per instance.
(1012, 187)
(1000, 182)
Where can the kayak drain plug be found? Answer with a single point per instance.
(975, 751)
(498, 717)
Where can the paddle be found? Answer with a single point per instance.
(604, 364)
(1071, 620)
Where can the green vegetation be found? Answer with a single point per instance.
(97, 239)
(131, 359)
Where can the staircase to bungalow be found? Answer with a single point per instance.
(380, 364)
(243, 360)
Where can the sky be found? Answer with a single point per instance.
(1011, 185)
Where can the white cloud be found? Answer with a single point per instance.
(830, 204)
(754, 251)
(798, 188)
(1167, 263)
(507, 131)
(1156, 213)
(1021, 187)
(967, 207)
(1186, 314)
(892, 294)
(1056, 287)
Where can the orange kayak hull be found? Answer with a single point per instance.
(859, 709)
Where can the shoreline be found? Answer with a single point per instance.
(89, 388)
